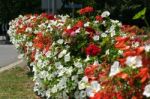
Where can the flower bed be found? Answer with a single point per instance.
(87, 57)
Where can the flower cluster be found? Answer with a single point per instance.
(84, 58)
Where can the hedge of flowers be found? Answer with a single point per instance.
(90, 57)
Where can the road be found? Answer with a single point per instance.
(8, 55)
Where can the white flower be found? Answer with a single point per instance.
(87, 58)
(77, 31)
(67, 57)
(60, 41)
(78, 64)
(82, 94)
(112, 33)
(135, 44)
(147, 90)
(120, 52)
(58, 65)
(48, 54)
(74, 78)
(83, 83)
(62, 83)
(28, 29)
(105, 14)
(103, 35)
(94, 88)
(107, 52)
(65, 96)
(96, 38)
(48, 93)
(62, 53)
(115, 68)
(87, 24)
(54, 89)
(134, 61)
(96, 62)
(69, 27)
(147, 48)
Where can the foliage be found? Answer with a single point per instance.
(87, 57)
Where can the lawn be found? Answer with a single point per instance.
(16, 83)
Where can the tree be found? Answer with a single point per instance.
(10, 9)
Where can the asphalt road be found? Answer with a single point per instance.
(8, 55)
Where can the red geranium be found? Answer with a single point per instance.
(99, 18)
(93, 50)
(86, 10)
(79, 24)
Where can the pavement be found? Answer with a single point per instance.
(8, 55)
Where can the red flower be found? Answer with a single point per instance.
(143, 74)
(99, 18)
(33, 56)
(93, 50)
(119, 95)
(123, 75)
(129, 53)
(86, 10)
(48, 16)
(71, 32)
(79, 24)
(139, 50)
(91, 31)
(121, 43)
(89, 71)
(122, 61)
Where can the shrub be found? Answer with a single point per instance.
(87, 57)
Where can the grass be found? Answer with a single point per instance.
(16, 83)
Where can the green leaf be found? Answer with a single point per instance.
(140, 14)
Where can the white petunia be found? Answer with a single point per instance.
(96, 62)
(115, 68)
(135, 44)
(65, 96)
(28, 29)
(62, 53)
(87, 24)
(67, 57)
(69, 27)
(147, 91)
(105, 14)
(48, 93)
(77, 31)
(48, 54)
(96, 38)
(58, 65)
(54, 89)
(94, 88)
(134, 61)
(103, 35)
(87, 58)
(147, 48)
(60, 41)
(120, 52)
(78, 64)
(83, 83)
(107, 52)
(82, 94)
